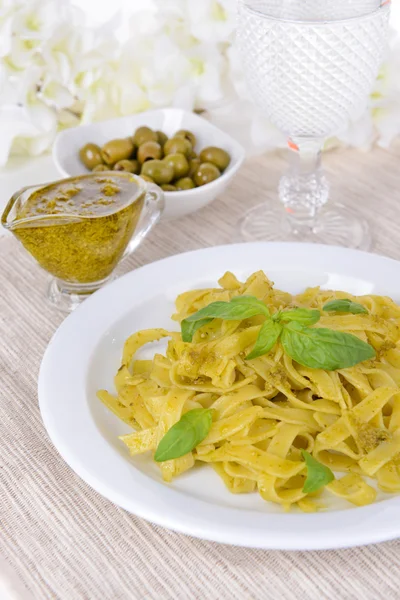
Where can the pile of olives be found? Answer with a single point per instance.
(171, 163)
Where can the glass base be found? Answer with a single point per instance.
(334, 225)
(68, 296)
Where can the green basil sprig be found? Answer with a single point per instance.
(253, 301)
(185, 435)
(189, 328)
(304, 316)
(318, 475)
(324, 348)
(267, 338)
(345, 306)
(239, 308)
(316, 348)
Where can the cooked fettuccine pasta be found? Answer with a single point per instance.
(267, 410)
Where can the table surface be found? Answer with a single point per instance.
(59, 538)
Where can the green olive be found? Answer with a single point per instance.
(185, 184)
(116, 150)
(158, 170)
(188, 135)
(130, 166)
(149, 151)
(162, 137)
(90, 155)
(179, 164)
(205, 173)
(100, 168)
(147, 178)
(194, 164)
(143, 135)
(216, 156)
(178, 146)
(167, 187)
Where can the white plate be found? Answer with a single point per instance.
(169, 120)
(84, 355)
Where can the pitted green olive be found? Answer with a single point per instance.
(149, 151)
(158, 170)
(116, 150)
(162, 138)
(194, 164)
(206, 173)
(185, 184)
(188, 135)
(216, 156)
(179, 164)
(143, 135)
(130, 166)
(178, 146)
(90, 155)
(171, 163)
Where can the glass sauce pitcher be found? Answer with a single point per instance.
(79, 229)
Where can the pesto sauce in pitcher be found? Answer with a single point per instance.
(78, 229)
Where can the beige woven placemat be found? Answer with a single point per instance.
(60, 539)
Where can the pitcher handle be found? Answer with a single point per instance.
(152, 210)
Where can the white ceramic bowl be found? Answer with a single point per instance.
(69, 142)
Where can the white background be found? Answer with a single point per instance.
(100, 11)
(42, 169)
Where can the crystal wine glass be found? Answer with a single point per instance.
(310, 65)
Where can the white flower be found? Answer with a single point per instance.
(359, 133)
(44, 121)
(207, 20)
(57, 72)
(6, 36)
(49, 60)
(28, 130)
(29, 26)
(386, 97)
(164, 65)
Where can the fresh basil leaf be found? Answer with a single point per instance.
(253, 301)
(267, 338)
(318, 475)
(185, 435)
(189, 328)
(345, 306)
(229, 311)
(305, 316)
(321, 348)
(240, 307)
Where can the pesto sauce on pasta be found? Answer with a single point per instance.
(266, 411)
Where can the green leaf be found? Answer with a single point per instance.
(189, 328)
(185, 435)
(305, 316)
(321, 348)
(267, 338)
(277, 316)
(345, 306)
(318, 475)
(242, 307)
(230, 311)
(253, 301)
(225, 310)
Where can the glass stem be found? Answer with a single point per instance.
(304, 189)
